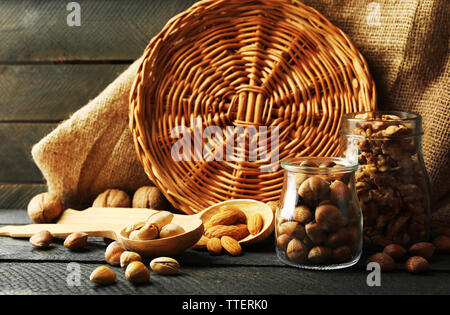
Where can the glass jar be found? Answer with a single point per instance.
(391, 182)
(318, 221)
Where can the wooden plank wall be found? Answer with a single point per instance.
(49, 69)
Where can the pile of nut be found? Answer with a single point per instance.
(226, 228)
(158, 225)
(420, 254)
(390, 182)
(325, 226)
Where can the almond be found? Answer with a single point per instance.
(255, 223)
(237, 232)
(422, 249)
(214, 246)
(231, 245)
(201, 244)
(226, 216)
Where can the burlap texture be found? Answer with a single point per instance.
(404, 41)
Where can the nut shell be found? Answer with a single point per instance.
(292, 229)
(303, 215)
(396, 251)
(442, 244)
(417, 264)
(44, 208)
(150, 197)
(103, 275)
(297, 251)
(329, 217)
(165, 266)
(112, 198)
(314, 189)
(127, 257)
(137, 273)
(171, 229)
(320, 254)
(422, 249)
(160, 219)
(255, 223)
(385, 261)
(76, 241)
(113, 253)
(41, 239)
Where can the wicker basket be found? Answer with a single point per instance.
(243, 63)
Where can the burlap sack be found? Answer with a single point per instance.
(404, 41)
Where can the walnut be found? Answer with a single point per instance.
(150, 197)
(44, 208)
(112, 198)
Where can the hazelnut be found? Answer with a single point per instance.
(385, 261)
(315, 233)
(137, 273)
(442, 244)
(292, 229)
(338, 238)
(148, 232)
(314, 189)
(340, 194)
(113, 253)
(342, 254)
(283, 241)
(112, 198)
(171, 229)
(296, 251)
(329, 217)
(165, 266)
(76, 241)
(150, 197)
(417, 264)
(103, 275)
(127, 257)
(396, 251)
(303, 215)
(160, 219)
(319, 254)
(44, 208)
(422, 249)
(41, 239)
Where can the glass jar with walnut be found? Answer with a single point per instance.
(391, 181)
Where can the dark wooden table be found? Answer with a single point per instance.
(26, 270)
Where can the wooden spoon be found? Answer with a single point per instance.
(111, 223)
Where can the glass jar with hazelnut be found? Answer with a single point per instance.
(391, 182)
(318, 221)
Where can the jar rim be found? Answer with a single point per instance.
(412, 119)
(293, 165)
(404, 116)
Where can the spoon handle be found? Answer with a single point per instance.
(58, 230)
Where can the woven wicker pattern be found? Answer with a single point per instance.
(243, 63)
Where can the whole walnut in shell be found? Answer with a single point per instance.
(150, 197)
(44, 208)
(112, 198)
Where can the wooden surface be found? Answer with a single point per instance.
(26, 270)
